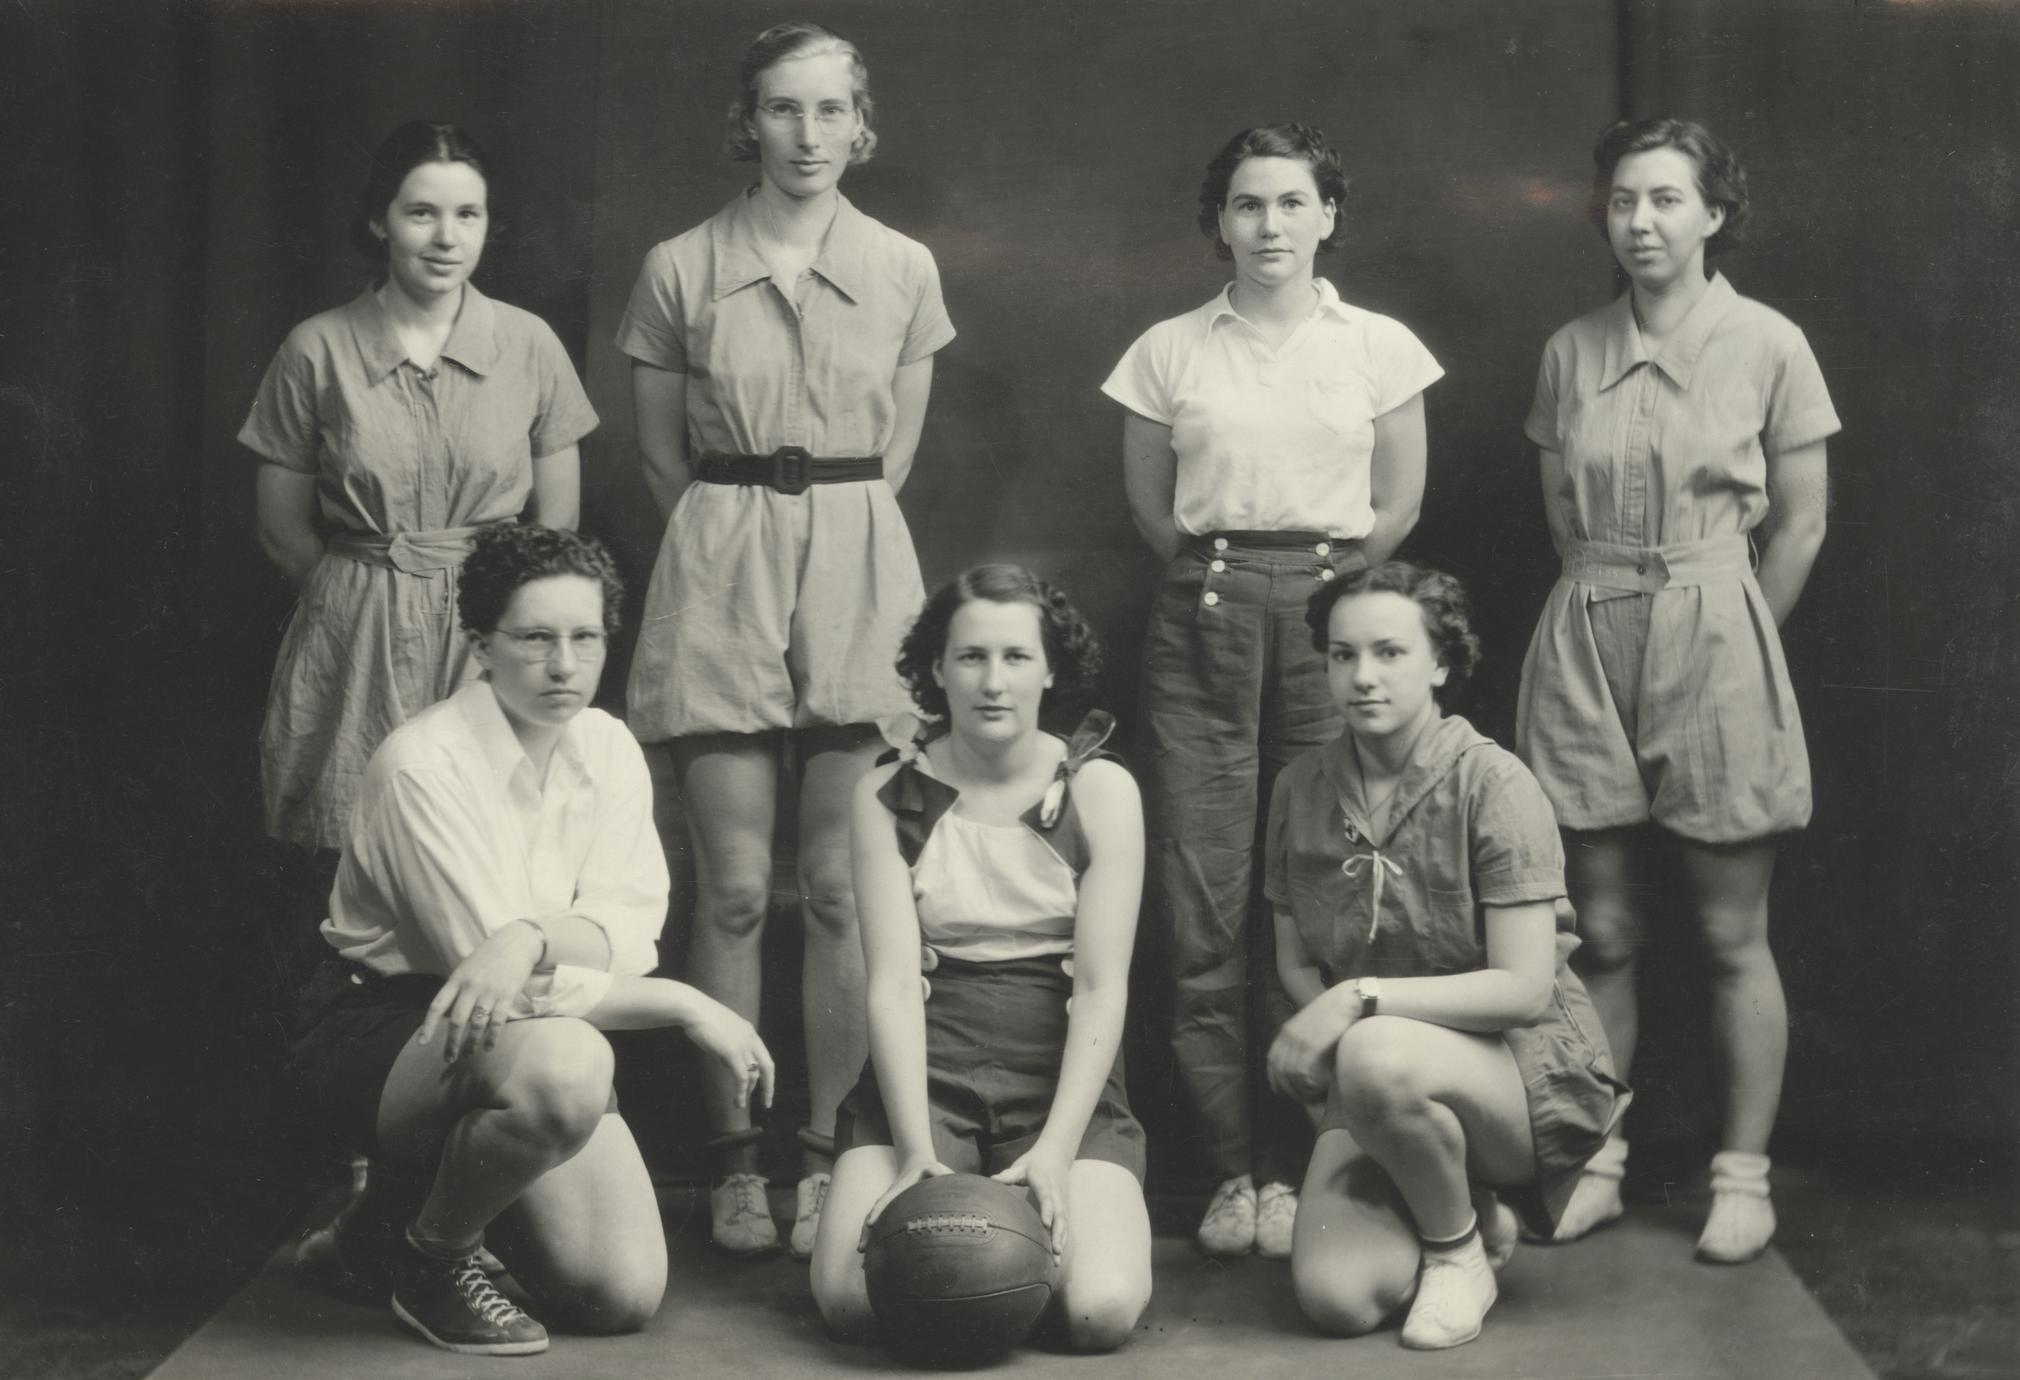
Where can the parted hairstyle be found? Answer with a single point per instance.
(1072, 652)
(1306, 143)
(1721, 181)
(1448, 614)
(781, 43)
(510, 554)
(405, 149)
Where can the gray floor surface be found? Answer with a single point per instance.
(1628, 1302)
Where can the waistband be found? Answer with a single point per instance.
(1647, 569)
(1044, 969)
(789, 469)
(1307, 543)
(411, 553)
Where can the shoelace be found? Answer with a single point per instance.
(482, 1296)
(1224, 1202)
(747, 1192)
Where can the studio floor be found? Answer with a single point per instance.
(1912, 1282)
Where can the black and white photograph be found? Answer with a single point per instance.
(1052, 687)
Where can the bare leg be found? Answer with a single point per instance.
(832, 986)
(1354, 1250)
(1603, 872)
(1728, 887)
(729, 783)
(840, 1291)
(1106, 1275)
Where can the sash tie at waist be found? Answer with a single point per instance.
(1648, 569)
(411, 553)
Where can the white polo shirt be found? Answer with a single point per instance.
(1273, 440)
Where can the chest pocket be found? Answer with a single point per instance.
(1453, 938)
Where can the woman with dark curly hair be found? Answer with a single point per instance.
(1274, 438)
(1656, 707)
(1015, 858)
(782, 356)
(497, 908)
(391, 430)
(1414, 868)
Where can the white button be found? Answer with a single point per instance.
(1220, 543)
(1211, 598)
(1216, 566)
(1325, 573)
(1324, 548)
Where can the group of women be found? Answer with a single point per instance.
(971, 904)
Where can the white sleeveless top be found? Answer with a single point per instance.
(990, 892)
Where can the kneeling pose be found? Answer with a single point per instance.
(495, 910)
(1016, 859)
(1414, 867)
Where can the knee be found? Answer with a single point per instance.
(827, 881)
(1610, 936)
(1378, 1072)
(1339, 1302)
(618, 1304)
(1101, 1317)
(734, 899)
(842, 1296)
(560, 1082)
(1735, 939)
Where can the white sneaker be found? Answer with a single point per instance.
(740, 1220)
(1500, 1228)
(808, 1200)
(1229, 1225)
(1455, 1288)
(1742, 1219)
(1595, 1198)
(1276, 1217)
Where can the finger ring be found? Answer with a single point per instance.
(480, 1010)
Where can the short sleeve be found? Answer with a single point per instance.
(565, 415)
(1541, 426)
(931, 328)
(1402, 366)
(1142, 379)
(1276, 845)
(654, 329)
(1517, 855)
(1799, 409)
(283, 426)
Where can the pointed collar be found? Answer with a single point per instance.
(1437, 754)
(1678, 360)
(500, 745)
(736, 234)
(1329, 304)
(473, 340)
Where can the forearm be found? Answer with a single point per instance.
(575, 940)
(1485, 1000)
(1093, 1039)
(898, 1052)
(642, 1003)
(1160, 533)
(295, 554)
(1391, 526)
(1302, 982)
(667, 475)
(1786, 564)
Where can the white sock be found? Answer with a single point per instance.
(1742, 1218)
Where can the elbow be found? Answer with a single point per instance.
(1532, 1001)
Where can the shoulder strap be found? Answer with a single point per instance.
(916, 802)
(1054, 817)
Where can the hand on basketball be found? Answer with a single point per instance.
(909, 1173)
(1301, 1057)
(734, 1041)
(475, 1002)
(1046, 1175)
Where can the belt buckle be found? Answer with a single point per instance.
(792, 469)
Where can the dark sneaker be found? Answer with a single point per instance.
(454, 1305)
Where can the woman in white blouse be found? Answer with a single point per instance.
(1274, 438)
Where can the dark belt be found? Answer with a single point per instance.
(789, 469)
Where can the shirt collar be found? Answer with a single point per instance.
(1435, 757)
(500, 745)
(1329, 304)
(473, 340)
(736, 235)
(1678, 360)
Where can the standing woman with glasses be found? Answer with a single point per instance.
(782, 358)
(1274, 440)
(392, 428)
(1656, 707)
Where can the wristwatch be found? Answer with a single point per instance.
(1370, 990)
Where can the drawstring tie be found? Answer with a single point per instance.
(1378, 868)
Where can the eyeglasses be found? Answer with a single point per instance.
(544, 644)
(831, 116)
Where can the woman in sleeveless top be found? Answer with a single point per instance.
(1015, 858)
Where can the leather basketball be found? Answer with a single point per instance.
(959, 1269)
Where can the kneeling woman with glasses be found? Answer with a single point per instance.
(496, 909)
(1016, 859)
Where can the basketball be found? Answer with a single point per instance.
(959, 1269)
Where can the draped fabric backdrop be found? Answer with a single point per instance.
(179, 179)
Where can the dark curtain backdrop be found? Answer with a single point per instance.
(180, 177)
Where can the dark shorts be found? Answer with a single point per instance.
(350, 1027)
(995, 1035)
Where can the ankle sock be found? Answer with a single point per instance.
(1451, 1243)
(436, 1249)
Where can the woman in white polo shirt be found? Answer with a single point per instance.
(1274, 438)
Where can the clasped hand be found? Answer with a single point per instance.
(1301, 1056)
(476, 1000)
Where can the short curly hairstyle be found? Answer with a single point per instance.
(405, 149)
(782, 43)
(1448, 615)
(1293, 140)
(510, 554)
(1072, 652)
(1721, 181)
